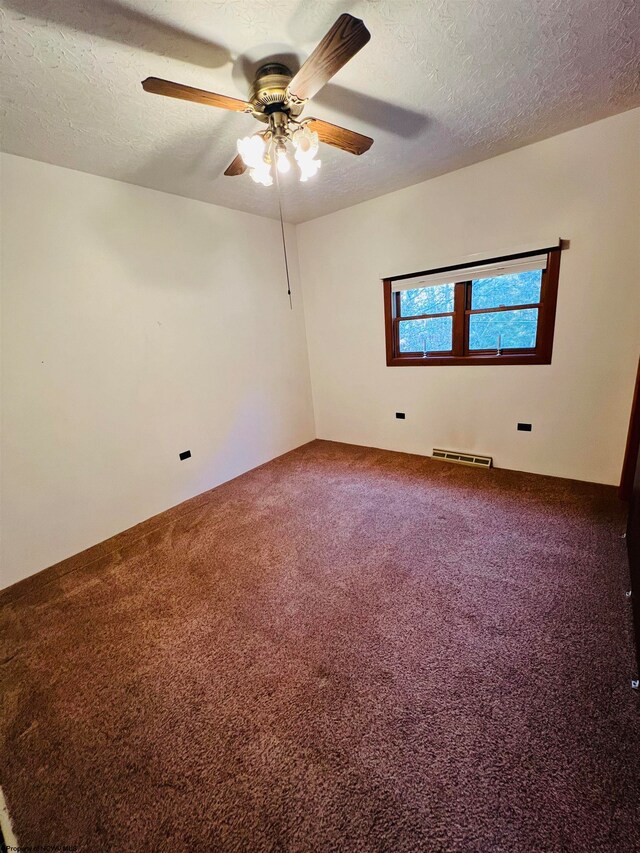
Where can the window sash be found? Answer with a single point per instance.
(502, 308)
(473, 350)
(396, 332)
(472, 273)
(402, 317)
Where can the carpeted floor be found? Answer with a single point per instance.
(344, 650)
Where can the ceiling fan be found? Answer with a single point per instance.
(277, 98)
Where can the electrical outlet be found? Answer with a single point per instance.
(400, 415)
(524, 427)
(186, 454)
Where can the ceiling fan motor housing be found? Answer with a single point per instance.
(269, 92)
(269, 87)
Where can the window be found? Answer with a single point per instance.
(495, 312)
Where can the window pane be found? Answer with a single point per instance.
(434, 335)
(522, 288)
(427, 300)
(517, 329)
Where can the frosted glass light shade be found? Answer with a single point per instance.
(252, 150)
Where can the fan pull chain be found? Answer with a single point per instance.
(284, 244)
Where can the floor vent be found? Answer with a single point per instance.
(463, 458)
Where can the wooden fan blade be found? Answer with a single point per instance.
(339, 137)
(199, 96)
(236, 166)
(341, 43)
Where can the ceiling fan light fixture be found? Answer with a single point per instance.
(305, 142)
(252, 149)
(262, 174)
(308, 168)
(306, 145)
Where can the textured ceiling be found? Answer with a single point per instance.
(442, 84)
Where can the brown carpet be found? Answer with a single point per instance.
(344, 650)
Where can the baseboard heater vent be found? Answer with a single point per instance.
(463, 458)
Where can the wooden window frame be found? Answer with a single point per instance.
(460, 353)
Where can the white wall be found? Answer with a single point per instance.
(583, 186)
(136, 325)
